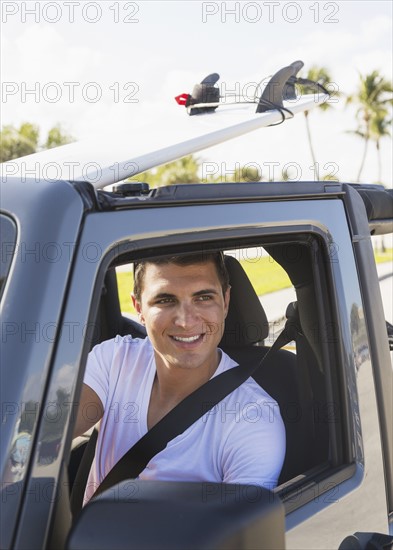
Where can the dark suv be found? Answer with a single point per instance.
(63, 244)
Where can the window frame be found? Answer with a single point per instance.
(9, 236)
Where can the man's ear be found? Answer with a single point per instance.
(138, 308)
(227, 297)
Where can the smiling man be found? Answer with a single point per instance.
(130, 384)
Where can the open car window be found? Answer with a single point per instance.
(285, 282)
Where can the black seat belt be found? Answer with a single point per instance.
(181, 417)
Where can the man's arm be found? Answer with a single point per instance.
(90, 411)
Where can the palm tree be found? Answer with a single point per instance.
(18, 142)
(184, 170)
(56, 137)
(322, 76)
(379, 128)
(22, 141)
(372, 111)
(247, 174)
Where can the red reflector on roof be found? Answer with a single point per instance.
(182, 99)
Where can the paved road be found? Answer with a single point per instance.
(385, 273)
(275, 303)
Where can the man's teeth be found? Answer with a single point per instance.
(189, 339)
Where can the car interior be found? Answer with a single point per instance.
(298, 378)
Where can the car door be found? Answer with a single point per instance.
(329, 494)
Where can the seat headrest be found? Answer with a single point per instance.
(246, 322)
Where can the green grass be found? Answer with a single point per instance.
(381, 257)
(265, 274)
(125, 283)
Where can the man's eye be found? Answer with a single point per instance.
(163, 301)
(204, 297)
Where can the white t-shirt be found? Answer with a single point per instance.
(241, 440)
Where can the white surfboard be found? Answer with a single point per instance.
(107, 160)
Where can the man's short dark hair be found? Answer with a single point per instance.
(182, 260)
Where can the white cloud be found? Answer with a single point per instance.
(375, 29)
(41, 53)
(376, 59)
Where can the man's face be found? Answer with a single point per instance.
(183, 309)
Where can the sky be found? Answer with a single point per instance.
(95, 66)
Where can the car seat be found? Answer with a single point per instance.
(284, 375)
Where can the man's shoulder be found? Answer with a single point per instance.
(122, 356)
(120, 351)
(250, 390)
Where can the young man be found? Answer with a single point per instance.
(130, 384)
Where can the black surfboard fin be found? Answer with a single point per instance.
(280, 86)
(211, 79)
(205, 92)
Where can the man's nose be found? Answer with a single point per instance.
(186, 315)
